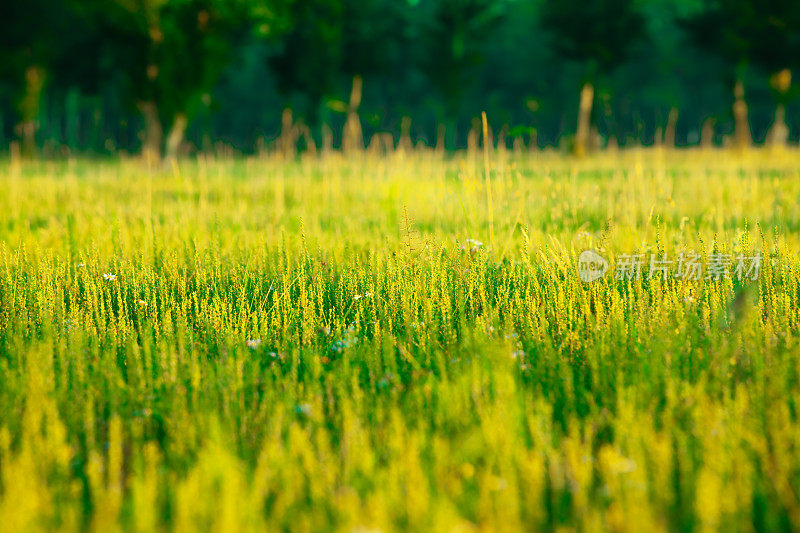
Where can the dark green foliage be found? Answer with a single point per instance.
(764, 32)
(234, 65)
(598, 33)
(455, 36)
(330, 42)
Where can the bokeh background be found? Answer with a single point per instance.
(173, 76)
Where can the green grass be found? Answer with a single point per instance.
(314, 345)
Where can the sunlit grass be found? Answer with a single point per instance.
(357, 343)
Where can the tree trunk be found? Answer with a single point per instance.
(404, 143)
(441, 131)
(473, 137)
(707, 133)
(327, 138)
(28, 109)
(779, 131)
(304, 133)
(584, 119)
(288, 138)
(669, 131)
(177, 133)
(781, 82)
(741, 123)
(153, 133)
(353, 138)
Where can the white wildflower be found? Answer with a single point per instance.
(474, 246)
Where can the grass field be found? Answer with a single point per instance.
(386, 343)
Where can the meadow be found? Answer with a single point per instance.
(398, 342)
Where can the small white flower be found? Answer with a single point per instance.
(81, 265)
(357, 297)
(253, 343)
(367, 294)
(109, 276)
(474, 246)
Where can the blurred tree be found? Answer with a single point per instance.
(332, 43)
(306, 63)
(776, 48)
(89, 73)
(597, 33)
(170, 53)
(371, 35)
(455, 33)
(35, 36)
(718, 28)
(765, 33)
